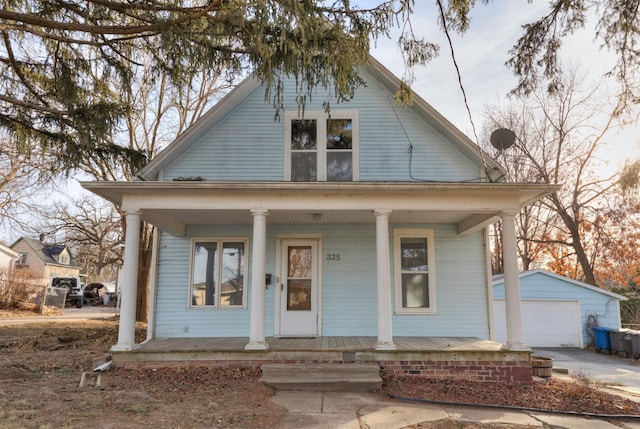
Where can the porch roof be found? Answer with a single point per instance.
(172, 206)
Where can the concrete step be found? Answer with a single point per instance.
(322, 377)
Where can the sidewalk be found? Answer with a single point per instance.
(339, 410)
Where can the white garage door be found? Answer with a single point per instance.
(544, 323)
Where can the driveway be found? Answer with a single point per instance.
(596, 366)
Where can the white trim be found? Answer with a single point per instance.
(321, 117)
(429, 234)
(220, 241)
(500, 280)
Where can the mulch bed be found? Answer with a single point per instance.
(579, 396)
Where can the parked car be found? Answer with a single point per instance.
(92, 294)
(74, 288)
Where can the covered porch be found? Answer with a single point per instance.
(458, 358)
(175, 206)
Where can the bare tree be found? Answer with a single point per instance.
(92, 228)
(557, 142)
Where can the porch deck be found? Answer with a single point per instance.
(435, 357)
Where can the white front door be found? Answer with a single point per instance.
(299, 288)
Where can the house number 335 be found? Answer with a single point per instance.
(333, 256)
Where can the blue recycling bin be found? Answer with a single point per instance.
(601, 339)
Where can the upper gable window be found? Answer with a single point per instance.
(321, 147)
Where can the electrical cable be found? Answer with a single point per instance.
(464, 93)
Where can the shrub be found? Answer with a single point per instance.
(15, 288)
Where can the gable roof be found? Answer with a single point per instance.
(499, 279)
(219, 111)
(47, 252)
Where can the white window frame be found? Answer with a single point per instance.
(321, 120)
(220, 242)
(23, 260)
(429, 234)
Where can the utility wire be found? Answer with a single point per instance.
(464, 94)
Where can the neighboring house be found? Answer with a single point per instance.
(369, 221)
(557, 311)
(43, 259)
(8, 258)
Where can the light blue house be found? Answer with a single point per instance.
(367, 221)
(557, 311)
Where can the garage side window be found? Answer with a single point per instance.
(218, 273)
(414, 268)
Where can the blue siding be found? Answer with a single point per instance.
(461, 290)
(249, 143)
(349, 299)
(540, 286)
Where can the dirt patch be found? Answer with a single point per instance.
(41, 366)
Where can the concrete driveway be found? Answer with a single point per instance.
(601, 367)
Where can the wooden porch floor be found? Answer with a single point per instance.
(320, 344)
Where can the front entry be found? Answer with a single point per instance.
(299, 287)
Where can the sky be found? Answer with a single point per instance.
(481, 53)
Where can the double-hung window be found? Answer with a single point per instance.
(218, 273)
(321, 147)
(414, 271)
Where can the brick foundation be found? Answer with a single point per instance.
(511, 372)
(515, 372)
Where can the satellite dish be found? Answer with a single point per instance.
(502, 138)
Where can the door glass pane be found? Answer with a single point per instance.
(304, 167)
(339, 167)
(204, 274)
(415, 290)
(299, 295)
(304, 134)
(231, 288)
(414, 254)
(299, 262)
(339, 134)
(299, 278)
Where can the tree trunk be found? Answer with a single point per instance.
(144, 269)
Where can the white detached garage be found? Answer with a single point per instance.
(556, 311)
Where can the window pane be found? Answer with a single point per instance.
(299, 262)
(339, 167)
(304, 167)
(204, 274)
(414, 254)
(303, 134)
(415, 290)
(299, 295)
(339, 134)
(232, 285)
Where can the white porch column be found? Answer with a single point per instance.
(256, 327)
(385, 335)
(515, 340)
(129, 286)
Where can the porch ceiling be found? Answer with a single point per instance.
(172, 206)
